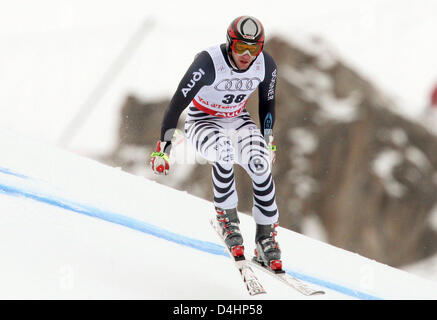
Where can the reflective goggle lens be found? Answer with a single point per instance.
(241, 47)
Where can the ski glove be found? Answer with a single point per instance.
(272, 148)
(159, 160)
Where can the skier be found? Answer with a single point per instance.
(429, 114)
(216, 88)
(433, 98)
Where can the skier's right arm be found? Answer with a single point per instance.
(200, 73)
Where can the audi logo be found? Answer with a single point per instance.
(238, 84)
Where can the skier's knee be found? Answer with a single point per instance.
(258, 165)
(225, 154)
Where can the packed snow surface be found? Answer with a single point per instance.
(72, 228)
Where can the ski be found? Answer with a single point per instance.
(253, 285)
(281, 275)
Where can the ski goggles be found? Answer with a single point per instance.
(240, 47)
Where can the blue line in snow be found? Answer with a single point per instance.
(332, 286)
(12, 173)
(116, 218)
(156, 231)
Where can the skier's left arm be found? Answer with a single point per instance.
(267, 94)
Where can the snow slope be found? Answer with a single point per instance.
(71, 228)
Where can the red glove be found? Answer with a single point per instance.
(159, 160)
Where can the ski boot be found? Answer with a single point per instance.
(267, 251)
(229, 224)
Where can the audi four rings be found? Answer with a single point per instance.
(238, 84)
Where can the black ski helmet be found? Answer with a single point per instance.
(245, 28)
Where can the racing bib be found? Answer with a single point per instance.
(229, 93)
